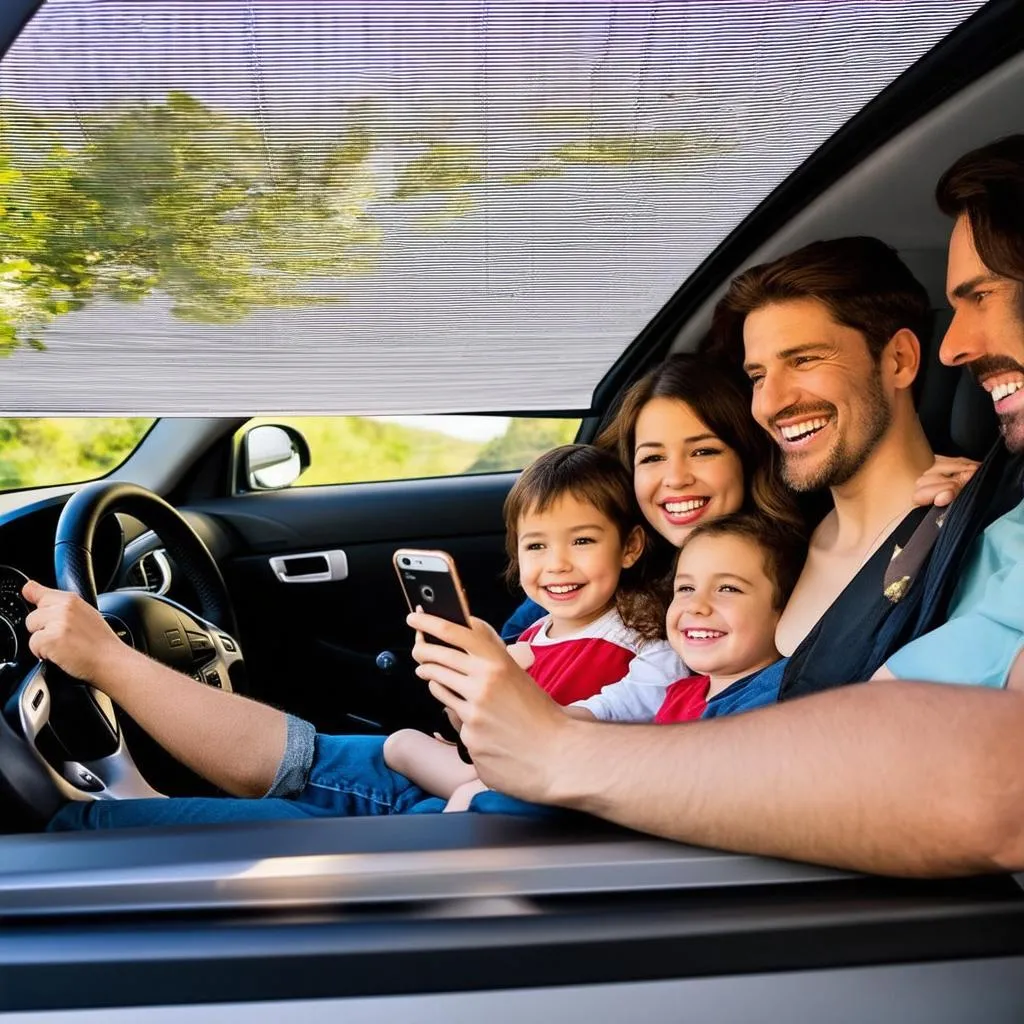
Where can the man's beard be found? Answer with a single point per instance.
(1011, 424)
(842, 463)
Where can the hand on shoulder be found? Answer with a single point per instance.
(946, 478)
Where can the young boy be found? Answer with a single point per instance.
(573, 537)
(733, 578)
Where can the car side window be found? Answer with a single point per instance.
(364, 449)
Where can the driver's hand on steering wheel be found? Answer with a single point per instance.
(69, 632)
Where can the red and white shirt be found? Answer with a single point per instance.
(685, 700)
(605, 667)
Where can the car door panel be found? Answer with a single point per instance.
(312, 647)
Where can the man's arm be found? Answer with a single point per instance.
(890, 777)
(235, 743)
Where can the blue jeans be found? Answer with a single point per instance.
(347, 778)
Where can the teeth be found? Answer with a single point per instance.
(563, 588)
(702, 634)
(682, 507)
(1000, 391)
(797, 430)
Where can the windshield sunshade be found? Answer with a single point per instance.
(392, 208)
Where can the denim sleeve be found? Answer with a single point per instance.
(293, 771)
(522, 618)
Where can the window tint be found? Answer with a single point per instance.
(223, 206)
(356, 449)
(46, 452)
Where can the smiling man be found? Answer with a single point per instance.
(830, 338)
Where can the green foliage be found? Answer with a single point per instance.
(40, 452)
(441, 168)
(633, 148)
(226, 216)
(524, 440)
(353, 449)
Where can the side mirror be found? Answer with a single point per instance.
(273, 457)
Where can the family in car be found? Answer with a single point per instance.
(916, 778)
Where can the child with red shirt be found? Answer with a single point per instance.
(574, 542)
(733, 578)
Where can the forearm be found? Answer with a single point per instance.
(897, 778)
(235, 743)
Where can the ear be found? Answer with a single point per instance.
(903, 358)
(633, 548)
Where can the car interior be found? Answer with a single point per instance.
(478, 891)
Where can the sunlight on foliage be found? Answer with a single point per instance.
(355, 449)
(42, 452)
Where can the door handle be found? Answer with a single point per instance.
(314, 567)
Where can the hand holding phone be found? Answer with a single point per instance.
(431, 583)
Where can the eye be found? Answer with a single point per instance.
(707, 452)
(803, 360)
(756, 379)
(534, 545)
(645, 459)
(684, 588)
(584, 540)
(979, 296)
(728, 588)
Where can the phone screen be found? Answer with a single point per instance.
(430, 581)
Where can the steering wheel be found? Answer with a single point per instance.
(60, 738)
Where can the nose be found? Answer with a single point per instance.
(678, 473)
(697, 604)
(959, 345)
(557, 559)
(774, 393)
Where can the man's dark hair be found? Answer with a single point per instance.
(861, 281)
(987, 186)
(783, 548)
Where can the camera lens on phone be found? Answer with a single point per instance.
(404, 561)
(427, 593)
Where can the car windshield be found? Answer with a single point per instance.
(375, 208)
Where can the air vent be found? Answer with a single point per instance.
(151, 572)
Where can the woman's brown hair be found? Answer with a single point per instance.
(596, 477)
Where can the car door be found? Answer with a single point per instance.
(321, 615)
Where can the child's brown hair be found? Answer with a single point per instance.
(598, 478)
(783, 548)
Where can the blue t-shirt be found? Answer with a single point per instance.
(753, 691)
(984, 633)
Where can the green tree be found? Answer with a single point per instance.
(38, 452)
(522, 442)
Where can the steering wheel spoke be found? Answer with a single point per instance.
(112, 776)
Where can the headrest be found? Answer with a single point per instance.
(957, 415)
(973, 426)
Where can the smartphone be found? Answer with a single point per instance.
(430, 580)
